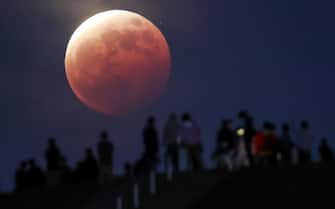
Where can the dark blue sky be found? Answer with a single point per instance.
(274, 58)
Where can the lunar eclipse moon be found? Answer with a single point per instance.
(117, 62)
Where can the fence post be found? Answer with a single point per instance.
(119, 202)
(136, 196)
(152, 182)
(169, 172)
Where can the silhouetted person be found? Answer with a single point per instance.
(272, 144)
(241, 156)
(304, 143)
(128, 170)
(105, 152)
(150, 140)
(90, 167)
(286, 145)
(35, 175)
(170, 136)
(190, 137)
(248, 125)
(80, 172)
(326, 153)
(21, 178)
(66, 173)
(53, 155)
(264, 145)
(225, 145)
(142, 165)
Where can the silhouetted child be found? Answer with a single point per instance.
(141, 166)
(66, 173)
(190, 137)
(150, 140)
(170, 136)
(35, 175)
(53, 155)
(21, 177)
(90, 166)
(326, 153)
(79, 173)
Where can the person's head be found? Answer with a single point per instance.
(32, 163)
(243, 114)
(52, 141)
(104, 135)
(186, 117)
(226, 123)
(285, 128)
(324, 141)
(249, 120)
(267, 127)
(304, 124)
(151, 121)
(89, 151)
(23, 164)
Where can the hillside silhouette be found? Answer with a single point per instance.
(295, 187)
(254, 169)
(276, 188)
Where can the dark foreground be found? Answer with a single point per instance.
(303, 187)
(271, 188)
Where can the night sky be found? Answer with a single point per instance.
(274, 58)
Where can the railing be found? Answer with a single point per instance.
(136, 194)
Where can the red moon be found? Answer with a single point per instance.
(117, 62)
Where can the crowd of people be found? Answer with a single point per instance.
(248, 147)
(29, 175)
(176, 135)
(238, 147)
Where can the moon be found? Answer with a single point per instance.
(117, 62)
